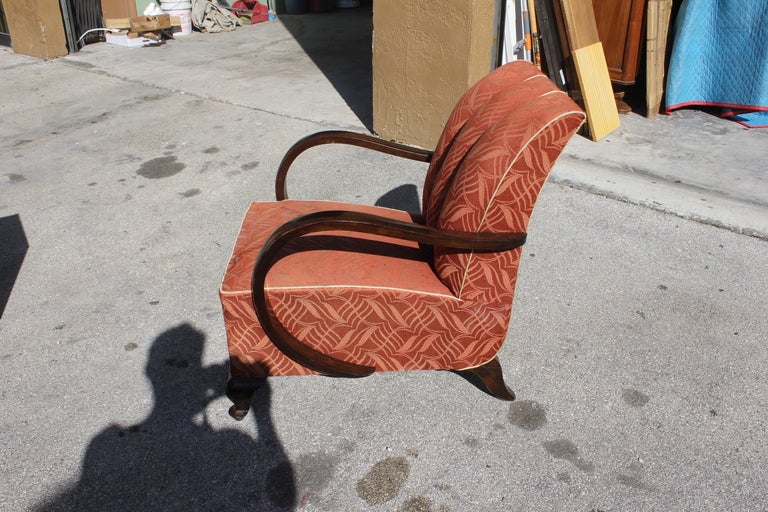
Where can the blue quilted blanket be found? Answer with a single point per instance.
(720, 58)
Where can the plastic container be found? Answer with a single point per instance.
(184, 12)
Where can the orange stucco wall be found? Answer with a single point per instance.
(425, 55)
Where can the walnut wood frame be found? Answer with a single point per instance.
(344, 137)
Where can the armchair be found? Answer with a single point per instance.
(318, 287)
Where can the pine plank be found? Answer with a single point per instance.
(597, 93)
(591, 68)
(657, 29)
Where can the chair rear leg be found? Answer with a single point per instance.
(240, 390)
(491, 376)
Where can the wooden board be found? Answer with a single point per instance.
(535, 39)
(596, 90)
(150, 23)
(591, 68)
(145, 23)
(659, 13)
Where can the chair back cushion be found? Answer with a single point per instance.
(500, 143)
(455, 141)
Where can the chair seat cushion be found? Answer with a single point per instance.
(329, 259)
(370, 300)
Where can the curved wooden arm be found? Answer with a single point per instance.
(360, 222)
(344, 137)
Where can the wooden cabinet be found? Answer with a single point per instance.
(620, 26)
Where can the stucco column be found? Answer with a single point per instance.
(426, 54)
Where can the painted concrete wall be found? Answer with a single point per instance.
(425, 56)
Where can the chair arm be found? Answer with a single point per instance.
(359, 222)
(344, 137)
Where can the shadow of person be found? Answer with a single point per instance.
(174, 459)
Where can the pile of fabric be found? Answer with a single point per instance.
(210, 16)
(720, 59)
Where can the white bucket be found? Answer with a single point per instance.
(175, 5)
(184, 11)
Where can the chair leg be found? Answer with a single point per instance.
(240, 390)
(491, 376)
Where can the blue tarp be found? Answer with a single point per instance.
(720, 58)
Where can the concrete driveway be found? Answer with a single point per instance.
(637, 347)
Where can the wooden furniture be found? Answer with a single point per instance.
(620, 26)
(346, 290)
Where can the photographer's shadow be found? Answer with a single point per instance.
(174, 459)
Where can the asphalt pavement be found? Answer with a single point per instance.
(637, 346)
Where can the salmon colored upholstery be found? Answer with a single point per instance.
(392, 304)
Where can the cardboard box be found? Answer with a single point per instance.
(36, 28)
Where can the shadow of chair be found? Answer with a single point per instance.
(346, 290)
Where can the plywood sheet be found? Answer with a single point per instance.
(36, 28)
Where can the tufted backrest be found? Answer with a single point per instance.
(489, 166)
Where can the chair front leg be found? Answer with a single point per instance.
(491, 376)
(240, 390)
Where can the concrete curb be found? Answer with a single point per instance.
(655, 192)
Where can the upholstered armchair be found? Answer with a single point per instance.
(317, 287)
